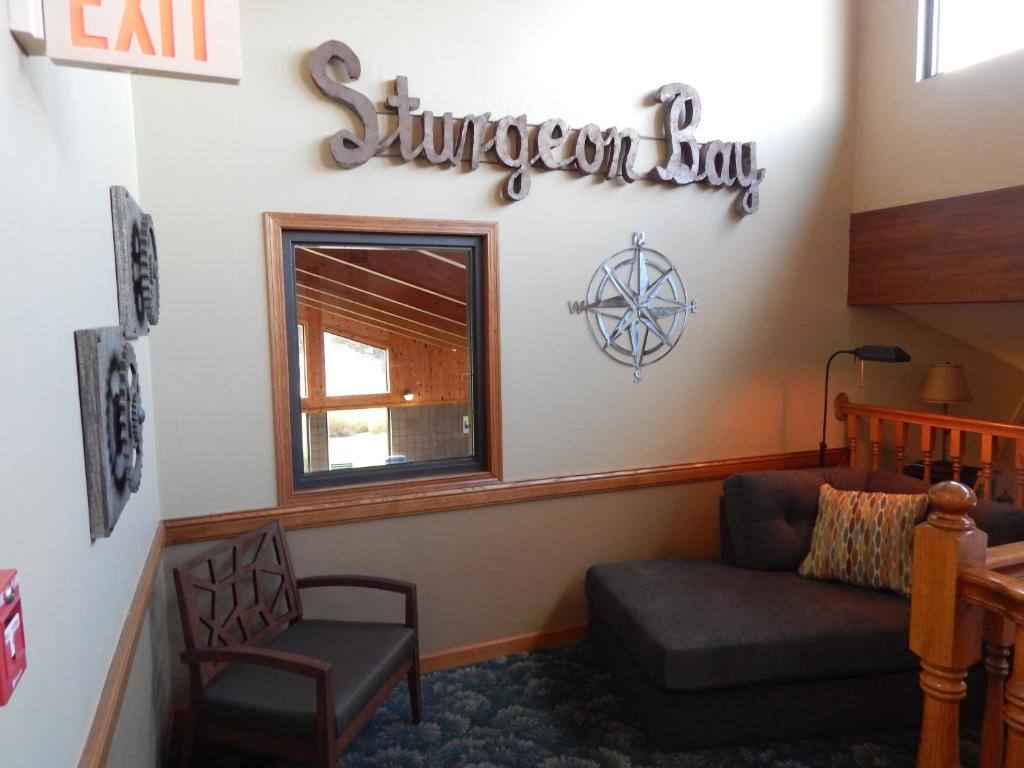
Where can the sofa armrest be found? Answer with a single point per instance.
(1003, 523)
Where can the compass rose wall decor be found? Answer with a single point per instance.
(637, 306)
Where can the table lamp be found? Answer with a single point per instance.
(946, 383)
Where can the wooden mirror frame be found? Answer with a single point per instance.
(275, 225)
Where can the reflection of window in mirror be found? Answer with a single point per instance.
(388, 351)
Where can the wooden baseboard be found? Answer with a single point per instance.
(97, 745)
(492, 649)
(187, 530)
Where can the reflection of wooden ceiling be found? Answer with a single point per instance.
(416, 293)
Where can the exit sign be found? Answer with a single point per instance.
(191, 38)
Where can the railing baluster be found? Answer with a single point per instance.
(875, 431)
(851, 437)
(960, 431)
(926, 451)
(1013, 712)
(985, 480)
(1019, 464)
(998, 640)
(901, 446)
(956, 451)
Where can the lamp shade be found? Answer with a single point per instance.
(946, 383)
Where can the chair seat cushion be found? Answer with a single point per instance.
(697, 624)
(364, 655)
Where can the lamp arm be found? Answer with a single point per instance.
(824, 411)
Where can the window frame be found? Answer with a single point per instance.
(929, 64)
(346, 402)
(929, 49)
(327, 330)
(294, 487)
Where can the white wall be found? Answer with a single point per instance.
(746, 378)
(67, 135)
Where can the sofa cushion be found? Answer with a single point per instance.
(363, 654)
(769, 516)
(891, 482)
(864, 539)
(696, 624)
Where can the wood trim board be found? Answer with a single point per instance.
(101, 734)
(493, 649)
(275, 224)
(445, 496)
(968, 248)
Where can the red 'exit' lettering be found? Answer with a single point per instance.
(134, 28)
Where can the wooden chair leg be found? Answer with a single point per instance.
(188, 740)
(415, 696)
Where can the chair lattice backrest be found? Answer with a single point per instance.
(241, 592)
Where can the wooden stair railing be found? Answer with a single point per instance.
(988, 432)
(964, 594)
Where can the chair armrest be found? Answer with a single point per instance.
(367, 582)
(296, 663)
(406, 588)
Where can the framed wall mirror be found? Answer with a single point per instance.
(384, 352)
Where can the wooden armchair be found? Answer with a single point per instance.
(264, 678)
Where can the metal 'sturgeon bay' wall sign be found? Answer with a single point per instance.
(553, 145)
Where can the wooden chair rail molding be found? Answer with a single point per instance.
(988, 433)
(967, 598)
(205, 527)
(104, 723)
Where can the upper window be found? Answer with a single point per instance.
(959, 33)
(388, 366)
(353, 368)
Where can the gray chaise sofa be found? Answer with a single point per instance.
(745, 650)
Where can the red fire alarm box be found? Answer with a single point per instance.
(12, 636)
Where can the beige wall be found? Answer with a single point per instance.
(67, 136)
(746, 378)
(953, 134)
(142, 728)
(489, 573)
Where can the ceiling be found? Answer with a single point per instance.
(416, 293)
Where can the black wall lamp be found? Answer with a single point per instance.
(868, 353)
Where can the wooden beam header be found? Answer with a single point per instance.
(955, 250)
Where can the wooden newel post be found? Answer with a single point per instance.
(945, 632)
(999, 636)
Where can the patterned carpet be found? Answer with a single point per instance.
(557, 709)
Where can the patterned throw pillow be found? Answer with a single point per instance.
(865, 539)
